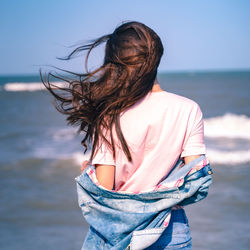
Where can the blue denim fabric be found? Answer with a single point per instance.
(176, 235)
(119, 219)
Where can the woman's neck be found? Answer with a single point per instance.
(156, 87)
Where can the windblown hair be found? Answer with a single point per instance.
(95, 100)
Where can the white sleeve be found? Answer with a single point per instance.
(103, 155)
(194, 139)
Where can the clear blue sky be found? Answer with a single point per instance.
(197, 35)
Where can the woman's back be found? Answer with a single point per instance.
(159, 129)
(137, 136)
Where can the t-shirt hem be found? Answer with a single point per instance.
(189, 153)
(103, 163)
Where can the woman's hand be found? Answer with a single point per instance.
(187, 159)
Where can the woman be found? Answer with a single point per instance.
(130, 121)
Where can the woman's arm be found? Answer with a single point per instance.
(187, 159)
(105, 175)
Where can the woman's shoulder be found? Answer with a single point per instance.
(173, 99)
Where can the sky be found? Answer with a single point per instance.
(197, 35)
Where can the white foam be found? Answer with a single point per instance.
(65, 134)
(222, 157)
(32, 86)
(79, 157)
(228, 157)
(52, 153)
(214, 156)
(229, 125)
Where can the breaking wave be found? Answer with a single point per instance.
(229, 126)
(32, 86)
(228, 157)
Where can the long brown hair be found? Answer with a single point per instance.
(94, 100)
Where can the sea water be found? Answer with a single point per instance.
(40, 155)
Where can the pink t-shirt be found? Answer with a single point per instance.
(159, 128)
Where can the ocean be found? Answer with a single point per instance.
(40, 155)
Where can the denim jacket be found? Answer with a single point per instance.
(126, 220)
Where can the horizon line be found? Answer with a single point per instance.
(159, 72)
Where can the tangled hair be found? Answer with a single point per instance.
(96, 99)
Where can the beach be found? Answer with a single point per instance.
(41, 155)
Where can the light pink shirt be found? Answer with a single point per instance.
(159, 128)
